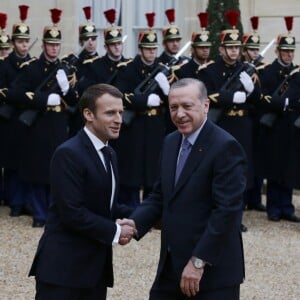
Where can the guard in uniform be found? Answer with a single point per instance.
(200, 51)
(143, 128)
(88, 37)
(276, 139)
(18, 191)
(88, 55)
(250, 52)
(105, 69)
(232, 92)
(47, 90)
(171, 40)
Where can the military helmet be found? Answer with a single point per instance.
(251, 40)
(4, 36)
(21, 30)
(148, 38)
(171, 32)
(286, 41)
(112, 34)
(231, 37)
(88, 29)
(52, 33)
(201, 38)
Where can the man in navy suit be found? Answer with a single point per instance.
(74, 256)
(201, 245)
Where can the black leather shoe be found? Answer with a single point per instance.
(291, 218)
(38, 224)
(16, 211)
(258, 207)
(243, 228)
(274, 218)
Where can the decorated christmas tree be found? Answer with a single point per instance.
(217, 22)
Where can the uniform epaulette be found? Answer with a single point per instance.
(205, 65)
(176, 67)
(66, 56)
(90, 60)
(262, 66)
(295, 70)
(28, 62)
(124, 63)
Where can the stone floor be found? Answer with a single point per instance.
(272, 254)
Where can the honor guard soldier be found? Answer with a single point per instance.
(232, 92)
(171, 40)
(5, 45)
(250, 52)
(88, 36)
(88, 42)
(200, 51)
(105, 69)
(46, 91)
(143, 128)
(276, 140)
(10, 109)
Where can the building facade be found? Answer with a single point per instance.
(131, 16)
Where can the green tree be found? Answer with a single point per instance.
(217, 22)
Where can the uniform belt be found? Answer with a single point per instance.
(56, 108)
(151, 112)
(236, 112)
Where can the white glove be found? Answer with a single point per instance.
(62, 81)
(239, 97)
(286, 103)
(153, 100)
(53, 100)
(247, 82)
(163, 82)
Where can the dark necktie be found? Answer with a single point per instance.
(107, 158)
(184, 153)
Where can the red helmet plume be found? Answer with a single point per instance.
(23, 12)
(110, 15)
(232, 17)
(55, 15)
(289, 23)
(170, 13)
(254, 22)
(150, 19)
(87, 12)
(203, 19)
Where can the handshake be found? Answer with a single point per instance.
(128, 230)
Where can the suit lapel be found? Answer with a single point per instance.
(92, 152)
(171, 154)
(198, 152)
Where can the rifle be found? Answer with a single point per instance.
(7, 110)
(268, 119)
(149, 84)
(234, 83)
(50, 84)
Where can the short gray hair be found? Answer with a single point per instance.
(191, 81)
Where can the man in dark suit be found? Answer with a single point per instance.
(201, 246)
(74, 256)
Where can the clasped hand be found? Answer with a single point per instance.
(128, 230)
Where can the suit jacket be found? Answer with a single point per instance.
(200, 215)
(76, 247)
